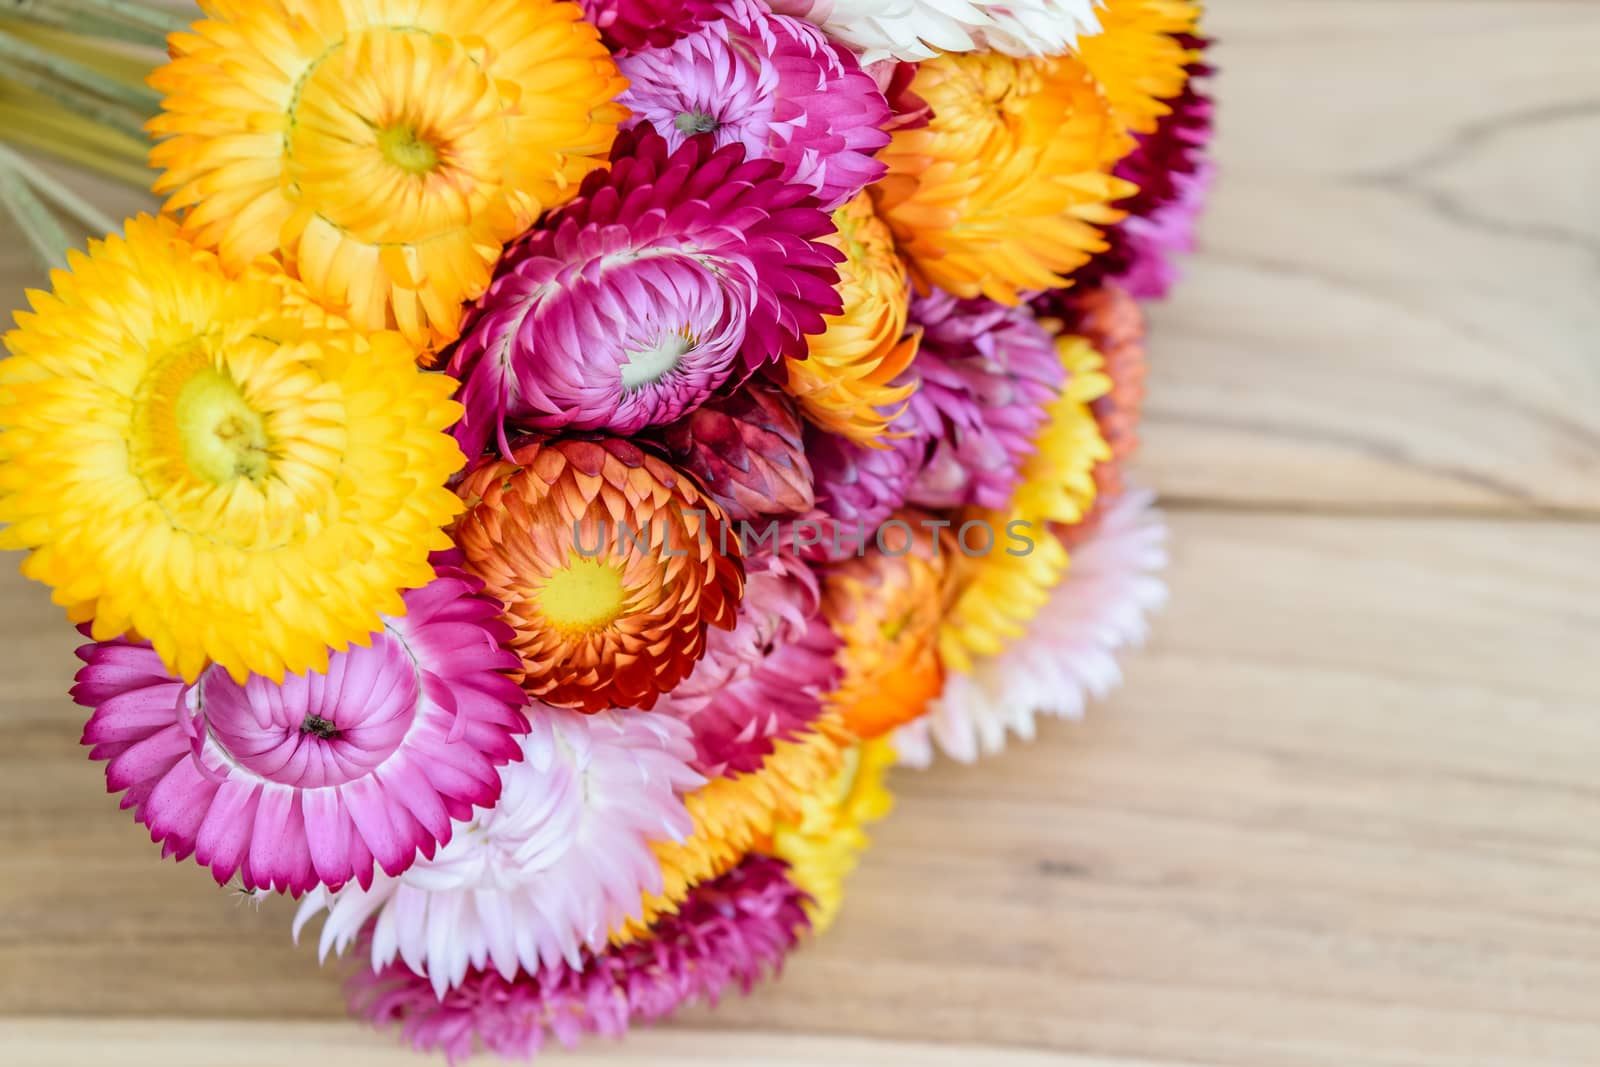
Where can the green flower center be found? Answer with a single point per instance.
(690, 123)
(222, 437)
(402, 146)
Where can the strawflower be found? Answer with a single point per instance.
(772, 84)
(728, 934)
(546, 874)
(1068, 654)
(206, 461)
(610, 563)
(387, 149)
(1002, 192)
(316, 779)
(674, 273)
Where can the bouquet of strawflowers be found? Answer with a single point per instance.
(547, 460)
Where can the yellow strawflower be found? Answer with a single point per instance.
(211, 464)
(734, 815)
(999, 593)
(389, 148)
(843, 385)
(824, 845)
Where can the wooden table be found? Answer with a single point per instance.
(1346, 812)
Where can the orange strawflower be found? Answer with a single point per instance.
(1003, 191)
(610, 563)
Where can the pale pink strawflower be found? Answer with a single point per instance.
(560, 862)
(320, 778)
(1069, 655)
(768, 679)
(921, 29)
(772, 84)
(727, 934)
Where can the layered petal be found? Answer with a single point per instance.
(673, 274)
(212, 463)
(1068, 654)
(748, 452)
(729, 933)
(611, 565)
(825, 844)
(1004, 190)
(321, 777)
(887, 606)
(387, 150)
(544, 876)
(922, 29)
(985, 379)
(766, 680)
(772, 84)
(997, 592)
(846, 384)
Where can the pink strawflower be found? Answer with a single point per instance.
(773, 84)
(1069, 654)
(986, 375)
(767, 679)
(729, 932)
(673, 273)
(857, 489)
(1151, 244)
(317, 779)
(561, 861)
(628, 25)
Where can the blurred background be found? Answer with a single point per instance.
(1345, 810)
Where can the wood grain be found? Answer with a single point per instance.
(1344, 813)
(1398, 305)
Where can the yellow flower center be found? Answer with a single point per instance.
(584, 596)
(406, 149)
(195, 417)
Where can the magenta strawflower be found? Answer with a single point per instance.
(773, 84)
(729, 932)
(767, 679)
(671, 275)
(628, 25)
(987, 373)
(320, 778)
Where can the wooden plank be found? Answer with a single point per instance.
(1344, 813)
(72, 1043)
(1397, 304)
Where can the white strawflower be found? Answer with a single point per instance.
(1069, 654)
(560, 862)
(921, 29)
